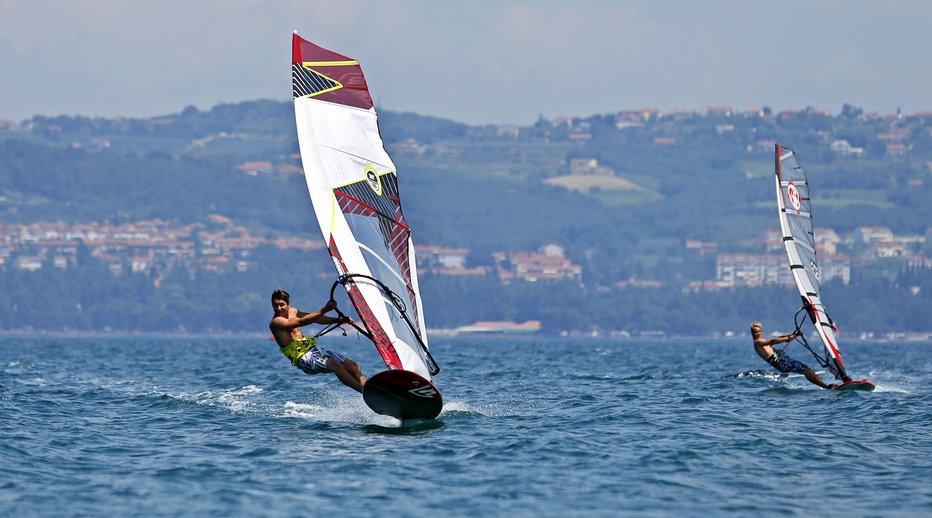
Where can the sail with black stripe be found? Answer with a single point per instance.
(353, 188)
(796, 225)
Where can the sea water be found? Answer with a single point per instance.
(194, 426)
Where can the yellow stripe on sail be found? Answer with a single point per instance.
(308, 64)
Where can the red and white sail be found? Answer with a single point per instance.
(796, 225)
(353, 187)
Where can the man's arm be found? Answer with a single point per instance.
(318, 317)
(301, 319)
(778, 340)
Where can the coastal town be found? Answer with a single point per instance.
(218, 245)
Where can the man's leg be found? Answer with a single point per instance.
(354, 370)
(814, 378)
(344, 375)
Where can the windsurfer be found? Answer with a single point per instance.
(303, 352)
(778, 359)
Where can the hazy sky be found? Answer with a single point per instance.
(474, 61)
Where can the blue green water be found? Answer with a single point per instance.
(202, 426)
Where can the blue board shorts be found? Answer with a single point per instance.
(315, 360)
(783, 363)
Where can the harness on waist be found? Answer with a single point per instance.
(298, 348)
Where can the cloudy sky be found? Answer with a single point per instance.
(475, 61)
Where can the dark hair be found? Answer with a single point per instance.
(281, 295)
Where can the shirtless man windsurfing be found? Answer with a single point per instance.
(304, 352)
(778, 359)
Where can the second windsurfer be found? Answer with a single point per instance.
(778, 359)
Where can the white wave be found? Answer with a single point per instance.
(883, 387)
(235, 400)
(887, 381)
(461, 406)
(338, 408)
(39, 382)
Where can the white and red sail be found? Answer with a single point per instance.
(354, 191)
(795, 212)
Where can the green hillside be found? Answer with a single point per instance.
(703, 176)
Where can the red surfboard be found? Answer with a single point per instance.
(856, 385)
(403, 395)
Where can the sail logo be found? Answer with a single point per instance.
(793, 194)
(426, 391)
(815, 271)
(372, 176)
